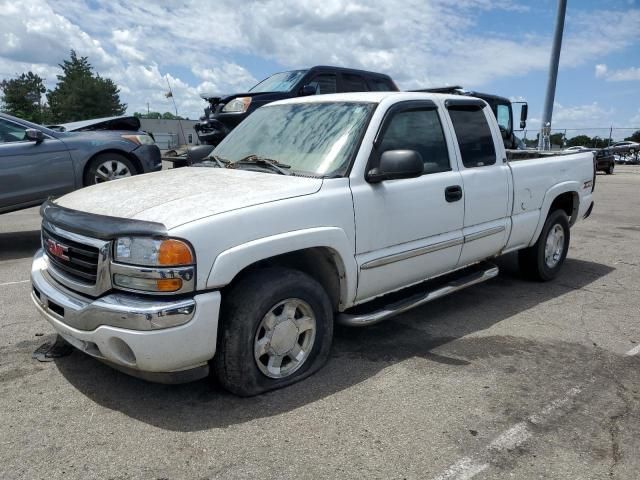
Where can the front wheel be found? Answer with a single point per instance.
(277, 328)
(544, 259)
(108, 166)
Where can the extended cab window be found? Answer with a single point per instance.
(419, 130)
(474, 136)
(11, 132)
(324, 83)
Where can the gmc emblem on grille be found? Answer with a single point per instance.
(57, 249)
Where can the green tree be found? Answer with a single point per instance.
(152, 115)
(579, 141)
(635, 137)
(556, 139)
(80, 94)
(21, 96)
(171, 116)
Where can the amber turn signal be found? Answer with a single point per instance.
(168, 284)
(174, 252)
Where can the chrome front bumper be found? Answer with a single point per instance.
(140, 334)
(116, 310)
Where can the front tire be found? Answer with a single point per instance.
(545, 258)
(277, 328)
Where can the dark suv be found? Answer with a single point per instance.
(225, 112)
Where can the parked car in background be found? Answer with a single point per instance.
(225, 112)
(37, 163)
(626, 152)
(605, 159)
(120, 123)
(626, 146)
(577, 148)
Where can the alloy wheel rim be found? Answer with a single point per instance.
(554, 246)
(111, 170)
(284, 338)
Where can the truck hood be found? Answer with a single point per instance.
(178, 196)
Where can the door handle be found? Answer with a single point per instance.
(453, 193)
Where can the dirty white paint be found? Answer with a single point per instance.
(468, 467)
(177, 196)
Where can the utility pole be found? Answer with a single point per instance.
(544, 142)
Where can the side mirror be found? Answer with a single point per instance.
(34, 135)
(308, 90)
(523, 116)
(397, 164)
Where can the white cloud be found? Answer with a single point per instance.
(622, 75)
(601, 70)
(582, 115)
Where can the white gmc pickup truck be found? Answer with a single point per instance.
(345, 208)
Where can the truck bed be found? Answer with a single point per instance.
(538, 180)
(517, 155)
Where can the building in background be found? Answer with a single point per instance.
(168, 134)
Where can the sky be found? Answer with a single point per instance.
(226, 46)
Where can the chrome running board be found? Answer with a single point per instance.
(464, 280)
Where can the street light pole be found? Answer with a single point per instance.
(544, 142)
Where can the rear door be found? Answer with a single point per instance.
(410, 229)
(485, 179)
(29, 171)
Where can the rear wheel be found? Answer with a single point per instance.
(609, 170)
(545, 258)
(108, 166)
(277, 328)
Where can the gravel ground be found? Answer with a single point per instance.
(508, 379)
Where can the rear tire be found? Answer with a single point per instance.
(108, 166)
(609, 170)
(545, 258)
(277, 328)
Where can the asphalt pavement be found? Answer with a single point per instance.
(508, 379)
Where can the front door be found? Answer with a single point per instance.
(29, 171)
(408, 230)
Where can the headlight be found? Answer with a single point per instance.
(139, 139)
(155, 266)
(237, 105)
(153, 252)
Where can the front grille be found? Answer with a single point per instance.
(77, 261)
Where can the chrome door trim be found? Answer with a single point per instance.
(416, 252)
(484, 233)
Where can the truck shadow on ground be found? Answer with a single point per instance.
(16, 245)
(358, 354)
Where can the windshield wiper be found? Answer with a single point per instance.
(206, 162)
(261, 161)
(222, 162)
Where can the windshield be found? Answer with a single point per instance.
(279, 82)
(316, 138)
